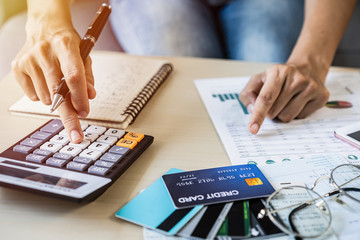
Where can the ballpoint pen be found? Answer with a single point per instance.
(86, 44)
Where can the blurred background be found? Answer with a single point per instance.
(13, 18)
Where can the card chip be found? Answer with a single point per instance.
(253, 181)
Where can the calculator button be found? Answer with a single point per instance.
(40, 135)
(115, 132)
(107, 139)
(42, 152)
(63, 140)
(102, 147)
(56, 162)
(84, 126)
(81, 145)
(52, 147)
(35, 158)
(109, 157)
(76, 166)
(53, 126)
(82, 160)
(63, 132)
(63, 156)
(126, 143)
(92, 154)
(90, 136)
(134, 136)
(96, 129)
(98, 170)
(104, 164)
(22, 149)
(31, 142)
(119, 150)
(73, 151)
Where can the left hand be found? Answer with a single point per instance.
(285, 92)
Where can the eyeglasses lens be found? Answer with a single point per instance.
(300, 211)
(347, 177)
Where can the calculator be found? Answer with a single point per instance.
(46, 162)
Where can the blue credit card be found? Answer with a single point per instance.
(153, 208)
(216, 185)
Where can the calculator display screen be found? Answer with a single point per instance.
(41, 177)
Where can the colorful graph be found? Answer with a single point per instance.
(230, 96)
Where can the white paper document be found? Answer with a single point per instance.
(279, 142)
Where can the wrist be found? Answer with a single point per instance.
(48, 16)
(313, 53)
(311, 64)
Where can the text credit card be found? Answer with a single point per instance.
(216, 185)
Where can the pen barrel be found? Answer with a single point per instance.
(86, 44)
(99, 21)
(63, 89)
(94, 30)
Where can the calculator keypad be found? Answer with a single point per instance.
(101, 152)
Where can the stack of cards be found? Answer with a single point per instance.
(204, 204)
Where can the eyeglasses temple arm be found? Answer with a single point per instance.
(291, 215)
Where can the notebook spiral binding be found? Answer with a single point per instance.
(148, 91)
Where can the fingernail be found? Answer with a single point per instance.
(83, 114)
(250, 107)
(75, 136)
(254, 128)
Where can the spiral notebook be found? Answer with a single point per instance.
(124, 84)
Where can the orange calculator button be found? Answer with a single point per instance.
(134, 136)
(126, 143)
(253, 181)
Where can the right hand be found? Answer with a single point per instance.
(51, 51)
(283, 91)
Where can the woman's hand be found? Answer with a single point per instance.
(285, 92)
(51, 51)
(296, 89)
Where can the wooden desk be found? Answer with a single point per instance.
(184, 138)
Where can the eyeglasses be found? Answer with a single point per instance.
(304, 213)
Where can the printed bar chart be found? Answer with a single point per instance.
(231, 96)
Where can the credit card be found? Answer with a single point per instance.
(207, 222)
(217, 185)
(237, 222)
(153, 208)
(264, 226)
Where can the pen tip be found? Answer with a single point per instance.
(57, 100)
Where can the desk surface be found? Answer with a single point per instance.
(184, 138)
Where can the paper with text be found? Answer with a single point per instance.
(279, 142)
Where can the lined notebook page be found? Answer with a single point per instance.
(119, 78)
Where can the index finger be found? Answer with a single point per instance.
(70, 120)
(73, 70)
(268, 94)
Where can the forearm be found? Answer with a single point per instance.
(52, 14)
(324, 24)
(39, 7)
